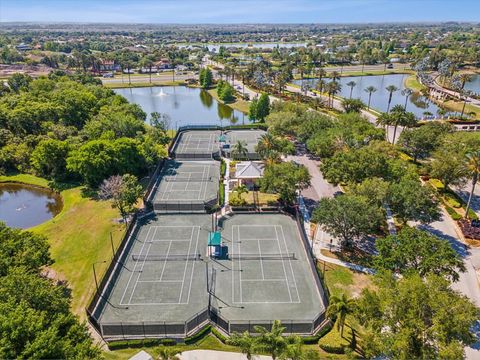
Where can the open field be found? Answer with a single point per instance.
(78, 237)
(411, 82)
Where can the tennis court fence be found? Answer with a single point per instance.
(206, 155)
(300, 327)
(183, 206)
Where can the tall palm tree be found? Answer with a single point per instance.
(147, 63)
(473, 169)
(352, 85)
(246, 343)
(335, 75)
(400, 117)
(340, 307)
(266, 145)
(333, 88)
(385, 120)
(406, 93)
(321, 73)
(168, 353)
(370, 90)
(294, 349)
(391, 89)
(239, 150)
(272, 342)
(320, 85)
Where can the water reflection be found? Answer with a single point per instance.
(184, 105)
(23, 206)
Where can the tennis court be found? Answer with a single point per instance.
(267, 275)
(197, 144)
(250, 137)
(189, 182)
(163, 274)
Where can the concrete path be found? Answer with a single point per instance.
(217, 355)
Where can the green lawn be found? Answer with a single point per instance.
(238, 104)
(411, 82)
(78, 237)
(119, 85)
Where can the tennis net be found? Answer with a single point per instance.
(286, 256)
(180, 257)
(189, 179)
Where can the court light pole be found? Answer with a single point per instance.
(95, 273)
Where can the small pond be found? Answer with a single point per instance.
(474, 84)
(416, 103)
(23, 206)
(184, 105)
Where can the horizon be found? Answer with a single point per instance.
(215, 12)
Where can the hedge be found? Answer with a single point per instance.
(219, 335)
(260, 126)
(437, 184)
(311, 340)
(455, 216)
(125, 344)
(221, 197)
(223, 168)
(199, 335)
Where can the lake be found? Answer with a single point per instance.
(23, 206)
(184, 105)
(416, 103)
(474, 85)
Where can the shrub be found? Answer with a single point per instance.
(437, 184)
(223, 168)
(219, 335)
(451, 201)
(455, 216)
(199, 335)
(140, 343)
(221, 197)
(334, 343)
(472, 215)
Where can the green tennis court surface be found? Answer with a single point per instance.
(197, 144)
(190, 182)
(166, 280)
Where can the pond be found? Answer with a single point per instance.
(474, 84)
(23, 206)
(416, 103)
(184, 105)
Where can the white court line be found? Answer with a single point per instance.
(193, 265)
(205, 184)
(290, 262)
(165, 261)
(159, 281)
(165, 240)
(186, 265)
(261, 261)
(283, 264)
(233, 268)
(262, 280)
(259, 239)
(240, 266)
(139, 274)
(135, 266)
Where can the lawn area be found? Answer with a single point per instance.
(263, 198)
(78, 237)
(411, 82)
(340, 280)
(458, 105)
(238, 104)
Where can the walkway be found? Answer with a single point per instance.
(217, 355)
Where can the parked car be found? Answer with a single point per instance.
(108, 75)
(390, 66)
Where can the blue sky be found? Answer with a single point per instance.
(239, 11)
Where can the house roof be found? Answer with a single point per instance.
(249, 170)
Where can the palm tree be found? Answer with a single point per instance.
(246, 343)
(294, 349)
(385, 119)
(340, 307)
(464, 94)
(335, 75)
(272, 342)
(473, 168)
(370, 90)
(391, 89)
(320, 85)
(147, 63)
(400, 117)
(168, 353)
(321, 73)
(406, 93)
(333, 88)
(240, 150)
(352, 85)
(266, 145)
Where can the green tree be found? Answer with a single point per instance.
(240, 150)
(391, 89)
(347, 217)
(18, 82)
(252, 110)
(338, 308)
(353, 105)
(49, 158)
(262, 108)
(285, 178)
(245, 342)
(417, 251)
(448, 167)
(415, 318)
(400, 117)
(370, 90)
(168, 353)
(473, 171)
(123, 191)
(410, 201)
(272, 342)
(206, 79)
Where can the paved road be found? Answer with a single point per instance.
(366, 68)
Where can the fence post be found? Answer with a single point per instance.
(143, 328)
(123, 332)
